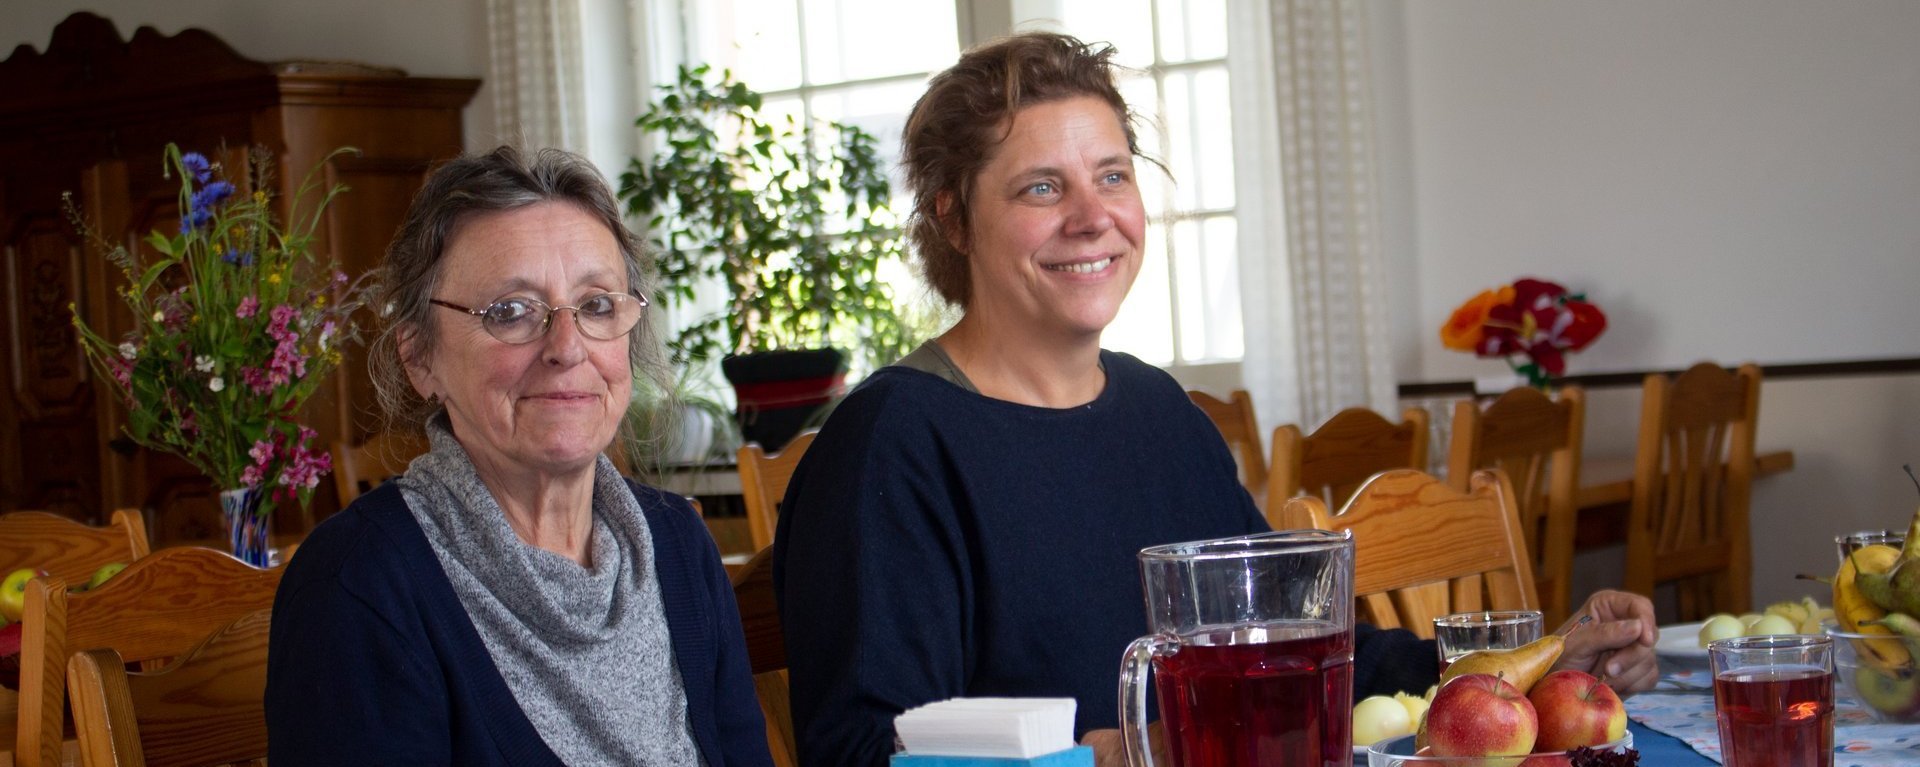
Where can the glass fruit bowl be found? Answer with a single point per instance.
(1396, 752)
(1888, 691)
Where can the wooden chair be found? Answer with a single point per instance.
(360, 469)
(1336, 458)
(159, 607)
(763, 483)
(206, 707)
(67, 549)
(1412, 532)
(1234, 418)
(1536, 441)
(1693, 472)
(767, 651)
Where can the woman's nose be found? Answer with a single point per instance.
(565, 346)
(1087, 213)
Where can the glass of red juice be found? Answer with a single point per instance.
(1251, 650)
(1773, 696)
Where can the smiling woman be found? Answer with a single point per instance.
(1012, 466)
(511, 599)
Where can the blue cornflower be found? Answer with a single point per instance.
(196, 163)
(200, 206)
(237, 258)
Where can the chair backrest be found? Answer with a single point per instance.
(1336, 458)
(1693, 472)
(767, 652)
(1422, 549)
(1536, 441)
(763, 482)
(67, 549)
(159, 607)
(1234, 418)
(360, 469)
(205, 707)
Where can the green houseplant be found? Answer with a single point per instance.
(791, 219)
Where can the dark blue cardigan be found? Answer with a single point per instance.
(937, 543)
(372, 659)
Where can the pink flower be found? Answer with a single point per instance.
(249, 306)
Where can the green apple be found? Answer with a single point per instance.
(13, 592)
(106, 571)
(1893, 693)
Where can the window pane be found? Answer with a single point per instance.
(1212, 138)
(1189, 267)
(1127, 24)
(880, 110)
(1179, 117)
(1170, 16)
(1206, 30)
(1141, 328)
(754, 38)
(1221, 267)
(865, 39)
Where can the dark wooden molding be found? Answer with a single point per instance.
(1787, 371)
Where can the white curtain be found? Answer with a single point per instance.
(1312, 291)
(536, 73)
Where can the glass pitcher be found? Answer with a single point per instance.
(1252, 646)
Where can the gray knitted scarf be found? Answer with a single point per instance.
(584, 650)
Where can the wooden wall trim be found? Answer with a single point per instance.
(1788, 371)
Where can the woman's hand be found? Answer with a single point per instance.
(1617, 646)
(1110, 750)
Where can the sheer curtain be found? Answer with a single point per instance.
(536, 73)
(1311, 291)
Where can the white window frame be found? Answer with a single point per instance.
(656, 55)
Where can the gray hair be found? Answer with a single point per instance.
(501, 180)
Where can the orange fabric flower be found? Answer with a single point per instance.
(1465, 328)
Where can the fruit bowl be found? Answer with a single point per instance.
(1398, 752)
(1890, 692)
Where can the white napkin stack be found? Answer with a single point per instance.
(1006, 728)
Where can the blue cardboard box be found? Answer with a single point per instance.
(1078, 756)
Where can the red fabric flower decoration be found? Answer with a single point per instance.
(1531, 317)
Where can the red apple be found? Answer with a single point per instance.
(1576, 710)
(1480, 715)
(1547, 760)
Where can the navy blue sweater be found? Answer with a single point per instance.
(372, 660)
(938, 543)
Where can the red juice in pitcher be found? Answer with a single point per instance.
(1279, 694)
(1775, 717)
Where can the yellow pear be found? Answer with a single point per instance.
(1520, 666)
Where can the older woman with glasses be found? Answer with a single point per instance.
(511, 599)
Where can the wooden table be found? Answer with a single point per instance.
(1606, 495)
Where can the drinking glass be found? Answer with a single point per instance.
(1847, 544)
(1252, 645)
(1773, 696)
(1461, 633)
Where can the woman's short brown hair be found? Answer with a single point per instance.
(966, 112)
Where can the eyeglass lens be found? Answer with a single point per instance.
(605, 316)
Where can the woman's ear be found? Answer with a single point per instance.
(945, 211)
(419, 371)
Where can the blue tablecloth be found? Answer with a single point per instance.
(1682, 707)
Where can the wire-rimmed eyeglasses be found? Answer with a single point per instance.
(601, 316)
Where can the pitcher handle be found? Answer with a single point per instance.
(1135, 665)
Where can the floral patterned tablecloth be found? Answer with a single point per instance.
(1682, 706)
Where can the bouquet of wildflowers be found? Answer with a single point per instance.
(1532, 319)
(234, 326)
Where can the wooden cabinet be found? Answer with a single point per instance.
(91, 115)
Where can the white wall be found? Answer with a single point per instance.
(1730, 179)
(428, 38)
(1733, 179)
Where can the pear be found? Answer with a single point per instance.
(1520, 666)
